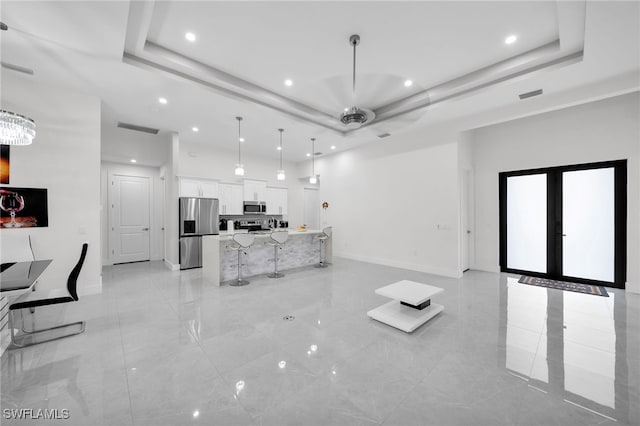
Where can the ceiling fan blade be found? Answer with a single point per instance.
(394, 124)
(332, 94)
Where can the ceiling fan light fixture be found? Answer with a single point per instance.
(356, 117)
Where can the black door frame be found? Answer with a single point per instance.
(554, 221)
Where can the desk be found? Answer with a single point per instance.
(19, 277)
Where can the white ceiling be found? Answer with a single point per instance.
(80, 45)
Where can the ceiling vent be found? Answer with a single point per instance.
(129, 126)
(530, 94)
(317, 153)
(384, 135)
(17, 68)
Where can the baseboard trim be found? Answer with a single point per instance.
(410, 266)
(171, 266)
(486, 268)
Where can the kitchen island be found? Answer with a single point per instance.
(220, 263)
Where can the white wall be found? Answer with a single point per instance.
(598, 131)
(393, 207)
(65, 159)
(156, 210)
(168, 175)
(121, 145)
(202, 161)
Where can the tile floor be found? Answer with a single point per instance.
(163, 347)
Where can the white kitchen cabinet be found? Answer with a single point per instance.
(198, 188)
(255, 190)
(277, 200)
(209, 189)
(189, 187)
(231, 198)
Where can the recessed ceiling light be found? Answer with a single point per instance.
(241, 139)
(333, 147)
(288, 83)
(511, 39)
(279, 148)
(408, 83)
(190, 36)
(163, 101)
(308, 155)
(195, 129)
(133, 160)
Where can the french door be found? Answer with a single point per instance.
(566, 223)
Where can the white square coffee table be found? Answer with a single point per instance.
(411, 306)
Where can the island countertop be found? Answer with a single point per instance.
(226, 235)
(219, 261)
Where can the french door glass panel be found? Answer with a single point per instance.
(588, 222)
(527, 222)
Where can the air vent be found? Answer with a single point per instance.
(317, 153)
(137, 128)
(384, 135)
(17, 68)
(530, 94)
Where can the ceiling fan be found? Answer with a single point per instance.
(355, 116)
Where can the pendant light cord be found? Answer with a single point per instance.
(239, 137)
(355, 43)
(281, 130)
(313, 156)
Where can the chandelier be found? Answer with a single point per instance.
(16, 129)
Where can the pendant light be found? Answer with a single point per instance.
(313, 178)
(280, 173)
(239, 166)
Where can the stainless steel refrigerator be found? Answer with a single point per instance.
(198, 217)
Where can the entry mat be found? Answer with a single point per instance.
(564, 285)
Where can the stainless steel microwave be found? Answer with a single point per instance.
(255, 207)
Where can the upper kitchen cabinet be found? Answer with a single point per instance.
(198, 188)
(277, 200)
(231, 197)
(255, 190)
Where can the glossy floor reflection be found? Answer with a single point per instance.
(164, 347)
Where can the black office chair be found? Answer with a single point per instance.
(37, 298)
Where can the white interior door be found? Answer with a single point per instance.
(129, 218)
(311, 208)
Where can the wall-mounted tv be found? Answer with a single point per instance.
(23, 207)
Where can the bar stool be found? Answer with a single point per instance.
(277, 240)
(240, 243)
(326, 233)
